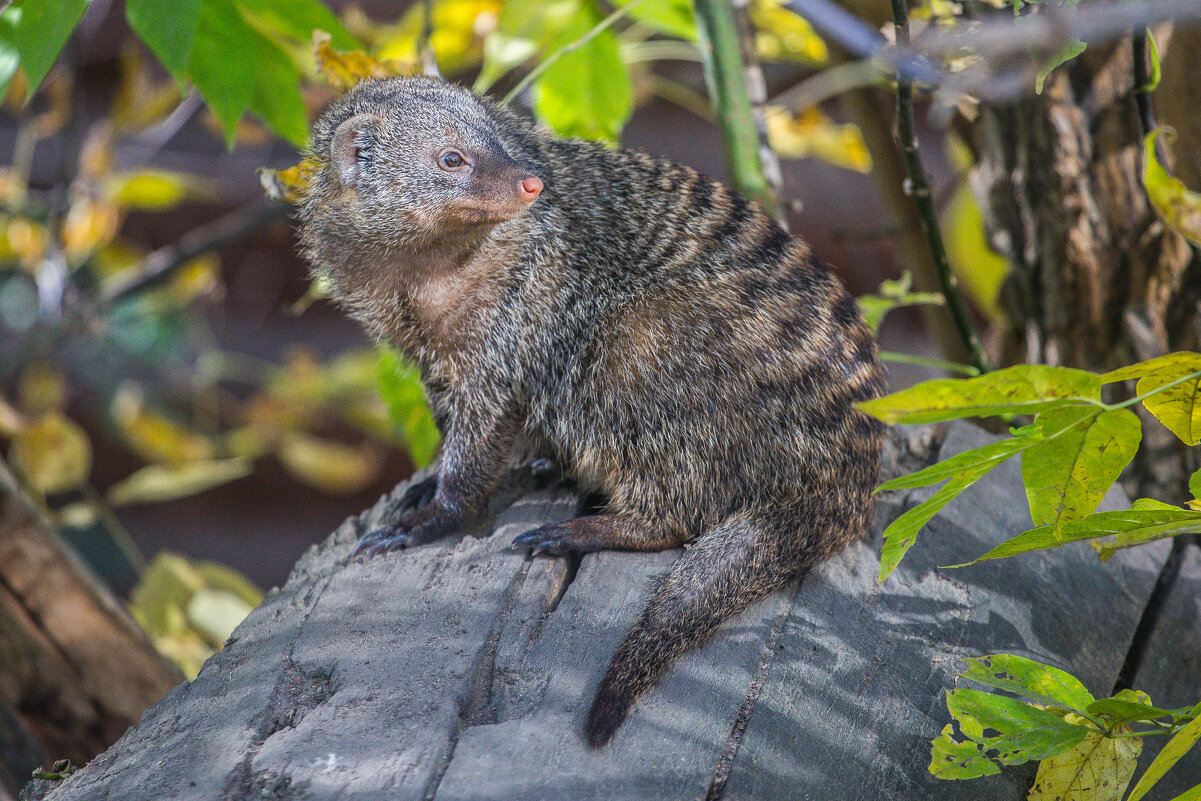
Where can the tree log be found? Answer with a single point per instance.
(463, 670)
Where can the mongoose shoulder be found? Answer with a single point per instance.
(656, 335)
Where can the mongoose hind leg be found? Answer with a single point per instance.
(602, 532)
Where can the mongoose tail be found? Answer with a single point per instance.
(726, 570)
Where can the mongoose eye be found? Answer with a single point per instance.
(452, 160)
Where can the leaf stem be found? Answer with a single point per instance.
(1156, 391)
(919, 189)
(926, 361)
(568, 48)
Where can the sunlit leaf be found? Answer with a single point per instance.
(1179, 206)
(985, 457)
(155, 483)
(290, 185)
(1065, 54)
(89, 225)
(215, 613)
(1194, 488)
(1098, 768)
(525, 27)
(154, 436)
(460, 28)
(1128, 706)
(1180, 744)
(1130, 527)
(1042, 683)
(331, 466)
(997, 730)
(980, 270)
(1022, 389)
(673, 17)
(400, 387)
(297, 20)
(148, 189)
(1156, 71)
(43, 388)
(1177, 407)
(812, 134)
(1083, 452)
(52, 453)
(345, 69)
(1168, 367)
(587, 92)
(782, 35)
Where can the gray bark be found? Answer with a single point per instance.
(462, 670)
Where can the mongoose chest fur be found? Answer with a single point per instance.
(660, 338)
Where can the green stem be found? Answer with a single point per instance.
(717, 29)
(919, 189)
(570, 47)
(926, 361)
(1156, 391)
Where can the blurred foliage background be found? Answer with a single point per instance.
(171, 384)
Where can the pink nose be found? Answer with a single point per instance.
(529, 189)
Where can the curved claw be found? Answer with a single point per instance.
(418, 495)
(545, 539)
(381, 541)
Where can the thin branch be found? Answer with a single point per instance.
(919, 187)
(162, 263)
(570, 47)
(429, 61)
(756, 92)
(725, 75)
(993, 39)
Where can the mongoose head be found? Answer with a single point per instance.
(411, 163)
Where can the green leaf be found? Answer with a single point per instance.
(1021, 676)
(1178, 746)
(1098, 768)
(297, 19)
(902, 532)
(673, 17)
(985, 457)
(167, 27)
(1194, 488)
(1119, 711)
(236, 67)
(525, 27)
(894, 295)
(1131, 527)
(154, 483)
(1179, 207)
(1171, 366)
(1081, 455)
(400, 386)
(1156, 72)
(1023, 732)
(1177, 407)
(1022, 389)
(1064, 55)
(587, 92)
(1192, 794)
(36, 30)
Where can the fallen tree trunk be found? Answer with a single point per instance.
(463, 670)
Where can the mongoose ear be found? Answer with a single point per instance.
(352, 137)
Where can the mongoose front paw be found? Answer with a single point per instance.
(415, 527)
(550, 539)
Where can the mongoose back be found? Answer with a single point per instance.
(659, 337)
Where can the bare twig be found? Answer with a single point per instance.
(756, 91)
(162, 263)
(725, 74)
(992, 39)
(919, 187)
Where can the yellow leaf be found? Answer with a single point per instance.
(27, 241)
(42, 389)
(77, 515)
(334, 467)
(154, 483)
(215, 613)
(153, 436)
(53, 454)
(290, 185)
(457, 37)
(344, 70)
(978, 267)
(782, 35)
(812, 134)
(1179, 207)
(1098, 768)
(90, 224)
(200, 276)
(149, 189)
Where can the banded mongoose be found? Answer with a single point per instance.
(659, 337)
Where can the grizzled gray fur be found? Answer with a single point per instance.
(656, 335)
